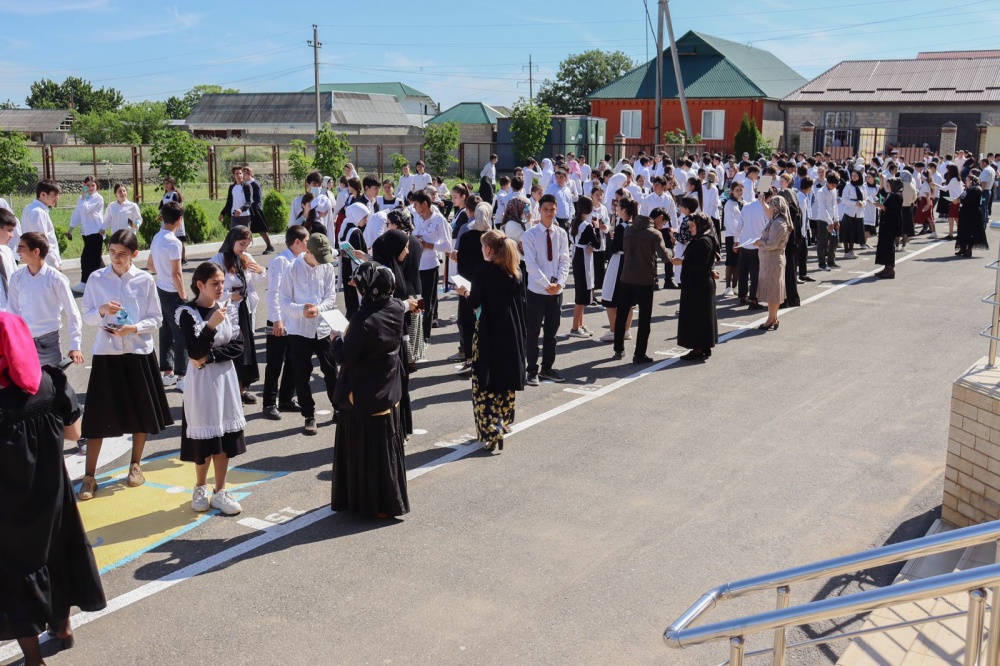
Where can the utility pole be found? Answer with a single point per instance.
(677, 69)
(659, 72)
(531, 80)
(316, 45)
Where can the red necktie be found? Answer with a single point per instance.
(548, 242)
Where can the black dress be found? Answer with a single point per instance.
(697, 322)
(971, 232)
(369, 468)
(470, 258)
(356, 238)
(891, 227)
(46, 563)
(500, 330)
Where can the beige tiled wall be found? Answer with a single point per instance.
(972, 477)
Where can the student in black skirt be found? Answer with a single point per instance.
(600, 214)
(213, 422)
(627, 209)
(125, 393)
(584, 239)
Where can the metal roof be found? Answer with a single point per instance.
(35, 120)
(917, 81)
(395, 88)
(469, 113)
(289, 109)
(712, 68)
(942, 55)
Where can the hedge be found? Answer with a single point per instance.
(276, 212)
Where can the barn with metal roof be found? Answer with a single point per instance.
(42, 125)
(418, 104)
(722, 81)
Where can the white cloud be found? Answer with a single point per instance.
(51, 6)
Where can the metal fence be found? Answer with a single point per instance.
(910, 142)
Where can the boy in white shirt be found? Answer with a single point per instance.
(8, 226)
(12, 243)
(422, 179)
(277, 398)
(405, 183)
(489, 171)
(39, 294)
(165, 261)
(35, 217)
(89, 216)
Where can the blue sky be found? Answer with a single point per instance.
(454, 51)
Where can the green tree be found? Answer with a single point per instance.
(747, 139)
(398, 162)
(177, 154)
(299, 164)
(529, 127)
(75, 93)
(9, 104)
(16, 171)
(331, 152)
(97, 127)
(142, 122)
(276, 212)
(580, 75)
(180, 107)
(439, 140)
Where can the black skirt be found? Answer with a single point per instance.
(583, 296)
(125, 396)
(246, 368)
(732, 257)
(199, 451)
(369, 468)
(909, 228)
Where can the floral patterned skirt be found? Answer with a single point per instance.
(492, 410)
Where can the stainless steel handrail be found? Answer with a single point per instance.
(681, 634)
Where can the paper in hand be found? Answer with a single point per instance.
(348, 250)
(764, 184)
(749, 245)
(336, 320)
(460, 281)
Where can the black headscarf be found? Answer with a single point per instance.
(386, 250)
(234, 262)
(375, 282)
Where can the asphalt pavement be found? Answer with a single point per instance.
(622, 496)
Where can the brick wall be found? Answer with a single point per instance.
(972, 475)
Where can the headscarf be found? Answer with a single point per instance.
(19, 365)
(355, 213)
(514, 211)
(375, 282)
(481, 222)
(386, 250)
(229, 256)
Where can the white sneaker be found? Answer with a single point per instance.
(586, 330)
(180, 384)
(849, 255)
(608, 337)
(199, 500)
(728, 293)
(933, 235)
(578, 333)
(169, 380)
(225, 503)
(628, 335)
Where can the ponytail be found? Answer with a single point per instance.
(504, 252)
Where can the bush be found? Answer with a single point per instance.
(398, 162)
(276, 212)
(61, 230)
(196, 222)
(747, 139)
(150, 224)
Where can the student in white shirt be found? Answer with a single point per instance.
(281, 398)
(431, 229)
(320, 202)
(405, 183)
(824, 211)
(125, 394)
(308, 288)
(12, 243)
(422, 179)
(35, 217)
(547, 263)
(389, 200)
(507, 190)
(170, 193)
(39, 294)
(748, 230)
(8, 227)
(531, 172)
(121, 213)
(489, 171)
(89, 216)
(165, 261)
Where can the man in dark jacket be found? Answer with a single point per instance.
(643, 243)
(257, 222)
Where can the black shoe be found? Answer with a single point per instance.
(642, 359)
(656, 286)
(268, 250)
(694, 355)
(532, 379)
(949, 237)
(291, 406)
(466, 369)
(671, 285)
(833, 265)
(249, 398)
(757, 306)
(618, 356)
(806, 278)
(310, 426)
(552, 375)
(435, 324)
(271, 412)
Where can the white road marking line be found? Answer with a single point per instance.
(255, 523)
(419, 431)
(275, 532)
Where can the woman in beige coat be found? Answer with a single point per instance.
(771, 278)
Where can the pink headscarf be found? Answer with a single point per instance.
(19, 363)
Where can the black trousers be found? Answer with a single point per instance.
(634, 294)
(541, 315)
(429, 292)
(351, 302)
(826, 245)
(90, 258)
(302, 350)
(279, 364)
(749, 267)
(466, 325)
(802, 257)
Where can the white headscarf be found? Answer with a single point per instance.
(483, 215)
(352, 217)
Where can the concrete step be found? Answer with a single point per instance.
(931, 644)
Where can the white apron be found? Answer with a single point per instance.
(212, 403)
(611, 278)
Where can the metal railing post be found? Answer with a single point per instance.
(992, 657)
(784, 598)
(996, 320)
(974, 627)
(737, 649)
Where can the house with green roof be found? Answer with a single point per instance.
(477, 122)
(722, 81)
(418, 105)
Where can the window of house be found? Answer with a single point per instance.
(713, 125)
(632, 124)
(837, 119)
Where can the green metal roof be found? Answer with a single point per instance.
(399, 90)
(712, 68)
(469, 113)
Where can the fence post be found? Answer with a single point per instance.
(52, 156)
(619, 146)
(807, 134)
(949, 134)
(276, 167)
(135, 173)
(981, 143)
(210, 154)
(461, 160)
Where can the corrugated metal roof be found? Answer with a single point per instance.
(712, 68)
(949, 55)
(285, 109)
(34, 120)
(394, 88)
(368, 109)
(469, 113)
(927, 80)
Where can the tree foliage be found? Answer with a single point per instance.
(180, 107)
(748, 138)
(75, 93)
(133, 123)
(529, 127)
(16, 171)
(439, 140)
(580, 75)
(680, 137)
(299, 164)
(332, 150)
(177, 154)
(276, 212)
(398, 162)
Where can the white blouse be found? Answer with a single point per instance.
(136, 292)
(118, 215)
(233, 282)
